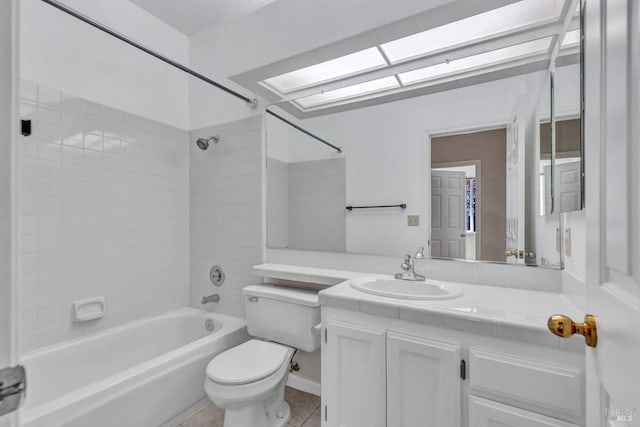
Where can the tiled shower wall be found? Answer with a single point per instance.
(104, 212)
(306, 204)
(225, 212)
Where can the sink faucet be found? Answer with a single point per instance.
(210, 298)
(409, 271)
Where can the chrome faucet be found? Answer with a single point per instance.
(210, 298)
(409, 271)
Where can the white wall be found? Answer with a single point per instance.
(290, 145)
(567, 91)
(209, 106)
(62, 52)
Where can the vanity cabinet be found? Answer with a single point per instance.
(375, 378)
(380, 372)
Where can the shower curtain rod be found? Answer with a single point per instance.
(253, 102)
(306, 132)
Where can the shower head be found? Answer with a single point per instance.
(203, 143)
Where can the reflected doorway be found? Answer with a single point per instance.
(469, 195)
(458, 184)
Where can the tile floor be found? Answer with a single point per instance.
(305, 412)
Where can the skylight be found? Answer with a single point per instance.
(506, 19)
(353, 91)
(521, 32)
(571, 38)
(481, 60)
(344, 66)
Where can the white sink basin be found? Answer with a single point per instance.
(405, 289)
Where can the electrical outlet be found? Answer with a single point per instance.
(413, 220)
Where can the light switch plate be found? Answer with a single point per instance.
(413, 220)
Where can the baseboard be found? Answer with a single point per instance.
(304, 384)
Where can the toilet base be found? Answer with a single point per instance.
(254, 415)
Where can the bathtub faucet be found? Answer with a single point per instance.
(210, 298)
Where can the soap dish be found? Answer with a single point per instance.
(88, 309)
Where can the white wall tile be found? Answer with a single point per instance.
(85, 229)
(225, 213)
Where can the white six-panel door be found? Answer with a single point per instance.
(567, 187)
(448, 199)
(612, 152)
(423, 382)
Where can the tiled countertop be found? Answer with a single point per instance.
(321, 276)
(513, 314)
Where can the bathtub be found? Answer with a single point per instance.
(141, 374)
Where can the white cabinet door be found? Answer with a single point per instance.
(487, 413)
(423, 382)
(353, 376)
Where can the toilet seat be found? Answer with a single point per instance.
(247, 363)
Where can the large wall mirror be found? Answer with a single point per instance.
(472, 158)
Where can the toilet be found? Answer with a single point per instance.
(248, 380)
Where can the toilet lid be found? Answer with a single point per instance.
(247, 362)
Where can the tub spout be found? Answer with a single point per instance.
(210, 298)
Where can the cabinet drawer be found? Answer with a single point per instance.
(486, 413)
(540, 387)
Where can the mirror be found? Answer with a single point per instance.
(568, 191)
(464, 167)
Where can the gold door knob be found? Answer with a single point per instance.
(564, 327)
(516, 253)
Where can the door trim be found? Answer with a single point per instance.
(9, 164)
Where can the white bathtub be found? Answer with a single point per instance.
(141, 374)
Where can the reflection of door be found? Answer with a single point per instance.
(567, 187)
(447, 214)
(515, 202)
(612, 134)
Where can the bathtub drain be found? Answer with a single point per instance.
(209, 325)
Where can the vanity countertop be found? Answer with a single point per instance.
(514, 314)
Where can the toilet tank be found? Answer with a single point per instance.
(284, 315)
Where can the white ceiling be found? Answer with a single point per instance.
(192, 16)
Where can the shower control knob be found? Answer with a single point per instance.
(216, 275)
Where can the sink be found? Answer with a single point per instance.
(406, 289)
